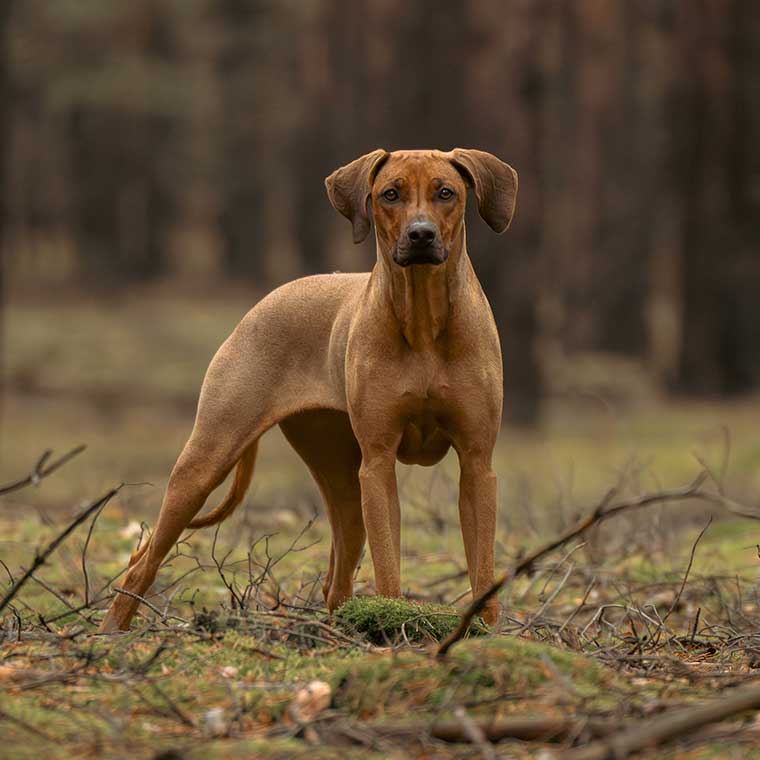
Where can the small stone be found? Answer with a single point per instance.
(310, 701)
(131, 530)
(214, 723)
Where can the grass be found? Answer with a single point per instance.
(110, 710)
(383, 621)
(124, 379)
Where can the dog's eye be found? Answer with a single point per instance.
(391, 195)
(445, 193)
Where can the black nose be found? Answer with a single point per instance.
(421, 234)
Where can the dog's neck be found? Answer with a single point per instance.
(422, 296)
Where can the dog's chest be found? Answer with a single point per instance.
(423, 382)
(423, 400)
(423, 441)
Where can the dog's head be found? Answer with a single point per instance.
(418, 197)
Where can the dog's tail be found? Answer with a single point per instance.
(243, 475)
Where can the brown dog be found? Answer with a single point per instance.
(360, 370)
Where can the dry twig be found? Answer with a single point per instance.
(40, 558)
(670, 725)
(677, 597)
(40, 470)
(464, 623)
(606, 509)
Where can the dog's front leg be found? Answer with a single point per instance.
(382, 520)
(477, 514)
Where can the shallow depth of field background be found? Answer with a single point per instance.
(162, 166)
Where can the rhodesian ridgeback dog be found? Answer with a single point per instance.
(360, 370)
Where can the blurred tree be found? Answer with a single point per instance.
(327, 73)
(122, 124)
(718, 127)
(246, 40)
(614, 148)
(5, 100)
(744, 162)
(659, 206)
(506, 81)
(633, 125)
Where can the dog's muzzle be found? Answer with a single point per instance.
(420, 244)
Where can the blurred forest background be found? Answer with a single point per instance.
(161, 169)
(181, 145)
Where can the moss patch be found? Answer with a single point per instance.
(386, 621)
(476, 672)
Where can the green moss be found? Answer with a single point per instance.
(385, 621)
(477, 671)
(277, 749)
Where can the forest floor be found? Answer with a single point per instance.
(652, 611)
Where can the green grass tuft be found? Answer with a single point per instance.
(384, 621)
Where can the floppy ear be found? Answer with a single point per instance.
(495, 185)
(348, 189)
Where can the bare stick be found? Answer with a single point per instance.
(474, 733)
(696, 624)
(655, 731)
(464, 623)
(62, 599)
(532, 619)
(164, 617)
(40, 558)
(40, 471)
(26, 726)
(140, 599)
(677, 598)
(173, 706)
(606, 509)
(84, 557)
(579, 607)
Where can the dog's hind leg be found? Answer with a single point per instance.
(239, 401)
(199, 470)
(268, 369)
(325, 441)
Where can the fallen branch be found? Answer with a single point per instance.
(544, 728)
(464, 622)
(40, 558)
(41, 471)
(475, 734)
(26, 726)
(670, 725)
(606, 509)
(601, 512)
(141, 599)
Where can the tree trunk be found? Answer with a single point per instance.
(721, 277)
(123, 192)
(508, 80)
(5, 108)
(241, 176)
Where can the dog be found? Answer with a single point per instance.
(360, 370)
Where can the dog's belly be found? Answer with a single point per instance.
(423, 441)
